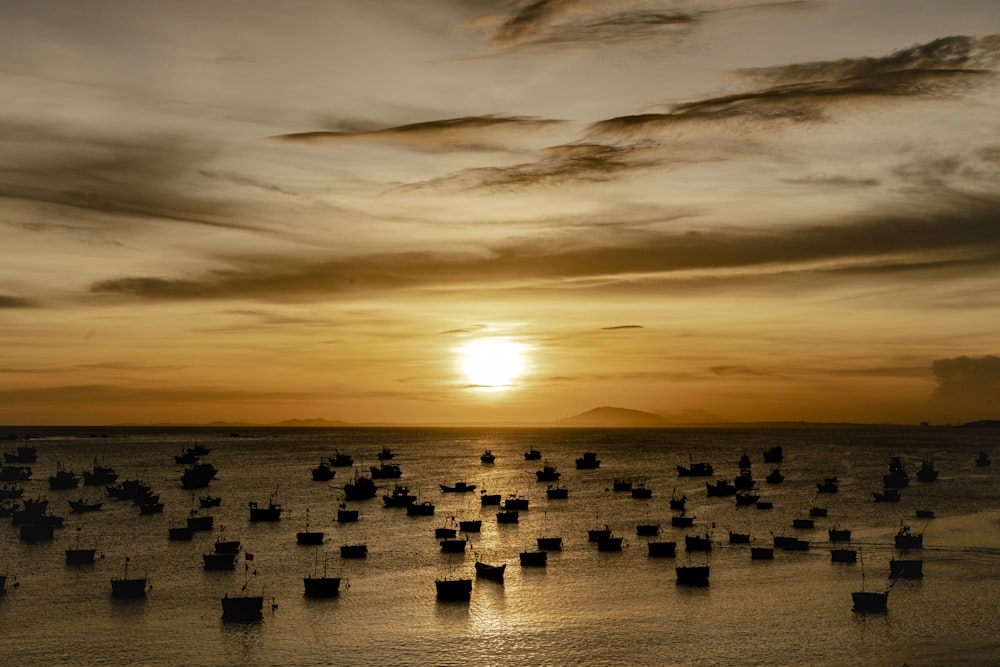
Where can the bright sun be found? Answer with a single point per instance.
(492, 364)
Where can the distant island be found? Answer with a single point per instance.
(611, 417)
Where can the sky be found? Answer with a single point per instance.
(715, 211)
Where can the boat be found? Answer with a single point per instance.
(720, 488)
(532, 455)
(507, 516)
(745, 498)
(453, 589)
(345, 515)
(744, 462)
(386, 454)
(385, 471)
(887, 496)
(180, 533)
(688, 575)
(556, 492)
(641, 491)
(515, 502)
(63, 479)
(647, 529)
(621, 484)
(219, 561)
(425, 508)
(906, 540)
(309, 537)
(453, 546)
(609, 543)
(925, 514)
(868, 602)
(744, 481)
(897, 477)
(23, 454)
(128, 588)
(489, 498)
(761, 553)
(80, 506)
(270, 513)
(597, 534)
(491, 572)
(15, 473)
(774, 455)
(790, 543)
(588, 461)
(227, 546)
(400, 496)
(36, 532)
(534, 558)
(458, 487)
(696, 543)
(739, 538)
(339, 460)
(818, 511)
(548, 474)
(927, 472)
(677, 503)
(197, 521)
(470, 525)
(361, 488)
(99, 475)
(487, 457)
(839, 535)
(242, 608)
(906, 569)
(549, 543)
(662, 549)
(774, 477)
(209, 501)
(695, 470)
(10, 492)
(323, 473)
(983, 459)
(198, 476)
(187, 457)
(682, 521)
(78, 555)
(828, 485)
(354, 551)
(445, 531)
(150, 508)
(321, 586)
(843, 556)
(764, 505)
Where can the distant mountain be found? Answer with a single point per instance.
(610, 417)
(983, 423)
(310, 422)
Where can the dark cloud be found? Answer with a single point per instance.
(964, 234)
(835, 181)
(451, 134)
(8, 301)
(968, 385)
(730, 371)
(465, 330)
(622, 326)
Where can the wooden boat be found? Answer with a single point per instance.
(209, 501)
(150, 508)
(790, 543)
(925, 514)
(23, 454)
(802, 523)
(219, 561)
(400, 496)
(641, 491)
(242, 608)
(887, 496)
(425, 508)
(309, 537)
(839, 535)
(696, 543)
(200, 521)
(556, 492)
(897, 477)
(445, 531)
(81, 505)
(720, 488)
(453, 589)
(470, 525)
(487, 499)
(906, 540)
(647, 529)
(739, 538)
(588, 461)
(695, 470)
(180, 533)
(744, 481)
(128, 588)
(99, 475)
(361, 488)
(828, 485)
(345, 515)
(354, 551)
(487, 457)
(534, 558)
(745, 498)
(662, 549)
(682, 521)
(386, 454)
(323, 473)
(597, 534)
(868, 602)
(227, 546)
(63, 479)
(10, 492)
(339, 460)
(774, 455)
(688, 575)
(198, 476)
(609, 543)
(532, 455)
(458, 487)
(10, 473)
(906, 569)
(744, 462)
(507, 516)
(323, 586)
(36, 532)
(677, 503)
(491, 572)
(515, 503)
(272, 512)
(453, 546)
(385, 471)
(621, 484)
(80, 556)
(818, 511)
(927, 472)
(548, 474)
(549, 543)
(843, 556)
(761, 553)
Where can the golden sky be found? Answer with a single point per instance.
(740, 211)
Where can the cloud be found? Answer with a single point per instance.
(835, 180)
(730, 371)
(128, 395)
(962, 234)
(9, 301)
(451, 134)
(622, 326)
(968, 385)
(465, 330)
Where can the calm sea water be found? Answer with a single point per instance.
(585, 607)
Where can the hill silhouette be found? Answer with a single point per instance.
(612, 417)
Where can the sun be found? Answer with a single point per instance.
(492, 364)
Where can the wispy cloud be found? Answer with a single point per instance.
(622, 326)
(451, 134)
(9, 301)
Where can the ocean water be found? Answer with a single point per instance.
(585, 607)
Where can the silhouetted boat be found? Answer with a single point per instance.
(774, 455)
(78, 555)
(696, 543)
(242, 608)
(270, 513)
(470, 525)
(445, 531)
(187, 457)
(99, 475)
(677, 503)
(361, 488)
(828, 485)
(556, 492)
(886, 496)
(720, 488)
(354, 551)
(761, 553)
(489, 498)
(63, 479)
(200, 450)
(925, 514)
(36, 532)
(695, 470)
(843, 556)
(549, 543)
(692, 575)
(507, 516)
(534, 558)
(80, 506)
(596, 534)
(764, 505)
(453, 546)
(744, 462)
(839, 535)
(927, 472)
(744, 481)
(609, 543)
(906, 569)
(458, 487)
(818, 511)
(662, 549)
(745, 498)
(682, 521)
(868, 602)
(400, 496)
(514, 502)
(897, 477)
(548, 474)
(588, 461)
(309, 537)
(126, 588)
(487, 457)
(385, 471)
(906, 540)
(642, 492)
(532, 455)
(983, 459)
(321, 586)
(621, 484)
(774, 477)
(219, 561)
(180, 533)
(23, 454)
(739, 538)
(15, 473)
(198, 476)
(197, 521)
(150, 508)
(453, 589)
(386, 454)
(425, 508)
(339, 460)
(790, 543)
(227, 546)
(648, 529)
(209, 501)
(323, 473)
(10, 492)
(491, 572)
(345, 515)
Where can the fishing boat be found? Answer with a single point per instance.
(532, 455)
(682, 521)
(548, 474)
(761, 553)
(491, 572)
(887, 496)
(453, 546)
(10, 492)
(662, 549)
(695, 470)
(323, 473)
(445, 531)
(744, 481)
(219, 561)
(128, 588)
(744, 462)
(345, 515)
(677, 503)
(745, 498)
(339, 460)
(549, 543)
(739, 538)
(647, 529)
(99, 475)
(774, 477)
(790, 543)
(774, 455)
(487, 457)
(79, 555)
(23, 454)
(534, 558)
(897, 477)
(361, 488)
(764, 505)
(323, 586)
(556, 492)
(385, 471)
(470, 525)
(828, 485)
(487, 499)
(818, 511)
(150, 508)
(63, 479)
(983, 459)
(425, 508)
(925, 514)
(180, 533)
(906, 540)
(80, 506)
(621, 484)
(515, 502)
(906, 568)
(688, 575)
(209, 501)
(588, 461)
(453, 589)
(927, 472)
(458, 487)
(508, 516)
(197, 521)
(720, 488)
(400, 496)
(10, 473)
(386, 454)
(309, 537)
(642, 492)
(696, 543)
(272, 512)
(242, 608)
(354, 551)
(609, 543)
(597, 534)
(839, 535)
(843, 556)
(227, 546)
(870, 602)
(198, 476)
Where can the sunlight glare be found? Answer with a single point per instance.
(492, 364)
